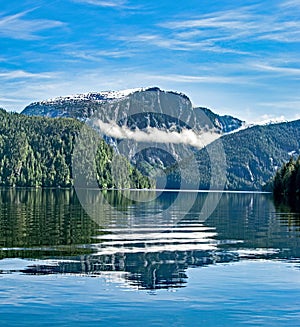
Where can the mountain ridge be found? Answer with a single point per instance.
(85, 105)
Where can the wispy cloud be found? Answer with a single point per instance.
(291, 71)
(11, 100)
(243, 25)
(227, 31)
(17, 74)
(198, 79)
(176, 42)
(18, 27)
(290, 4)
(108, 4)
(158, 40)
(99, 55)
(286, 105)
(230, 19)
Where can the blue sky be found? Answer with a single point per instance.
(235, 57)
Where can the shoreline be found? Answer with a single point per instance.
(135, 190)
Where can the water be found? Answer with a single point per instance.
(131, 262)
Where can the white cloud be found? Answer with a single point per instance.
(269, 119)
(17, 27)
(155, 135)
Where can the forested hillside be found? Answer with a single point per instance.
(37, 152)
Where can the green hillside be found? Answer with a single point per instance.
(37, 152)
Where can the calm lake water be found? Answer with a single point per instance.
(128, 261)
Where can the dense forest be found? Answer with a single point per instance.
(37, 152)
(286, 182)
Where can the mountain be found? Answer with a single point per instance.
(128, 120)
(38, 151)
(134, 107)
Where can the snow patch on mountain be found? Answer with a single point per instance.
(92, 96)
(101, 96)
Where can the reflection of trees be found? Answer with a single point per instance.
(35, 223)
(290, 206)
(289, 216)
(253, 219)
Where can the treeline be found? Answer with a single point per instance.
(37, 152)
(286, 182)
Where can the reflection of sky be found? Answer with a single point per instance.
(257, 293)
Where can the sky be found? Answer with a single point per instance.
(235, 57)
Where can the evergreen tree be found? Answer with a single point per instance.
(286, 182)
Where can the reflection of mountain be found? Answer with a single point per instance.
(154, 270)
(146, 250)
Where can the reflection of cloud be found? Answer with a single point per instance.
(155, 135)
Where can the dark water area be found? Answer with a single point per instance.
(230, 259)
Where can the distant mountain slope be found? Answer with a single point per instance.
(225, 123)
(253, 155)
